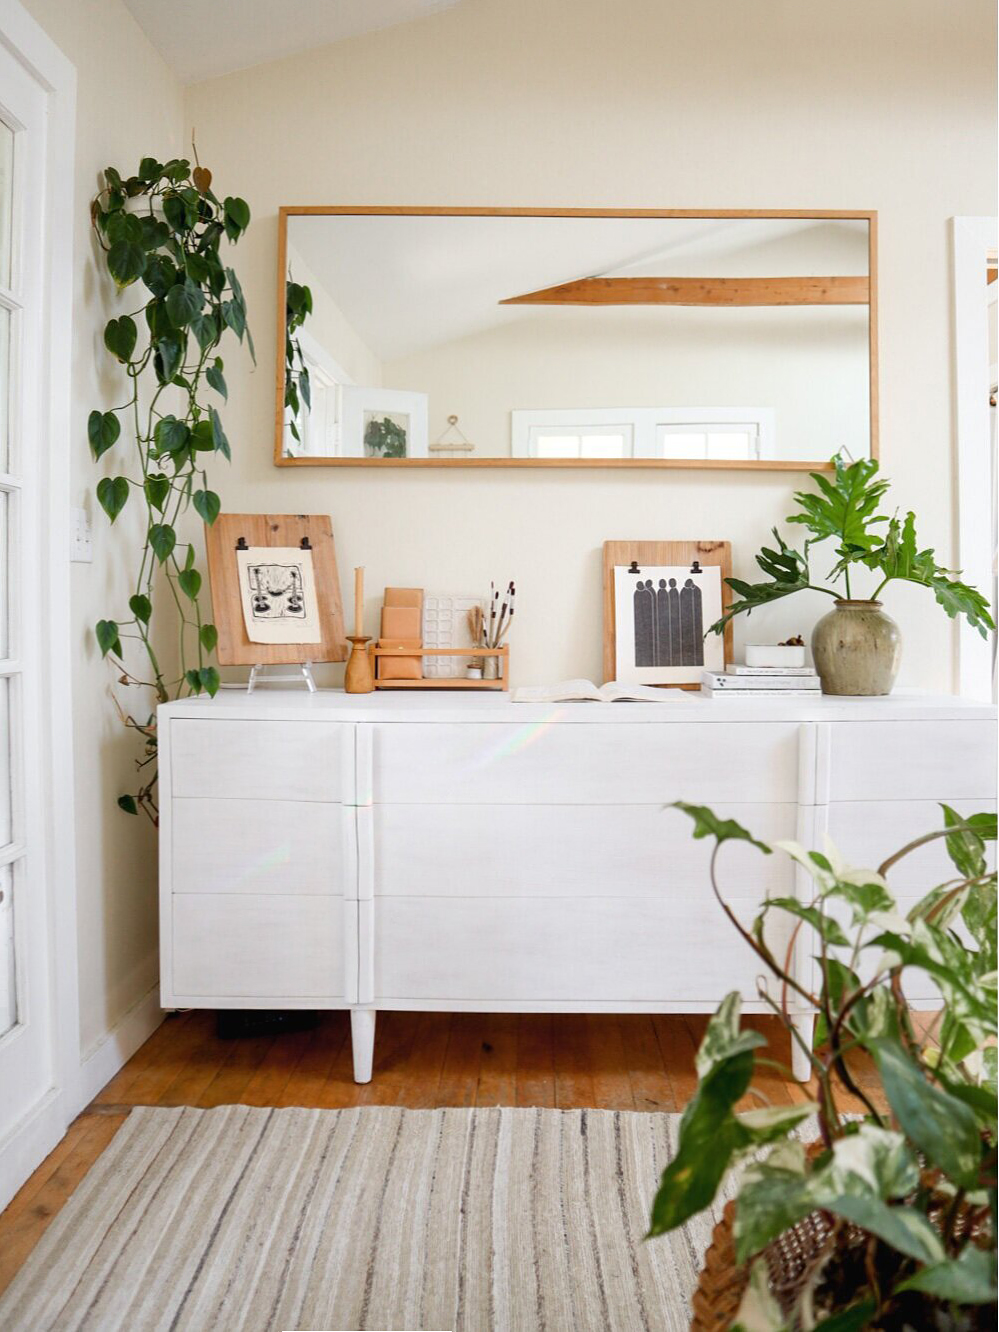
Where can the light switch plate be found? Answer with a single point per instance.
(80, 545)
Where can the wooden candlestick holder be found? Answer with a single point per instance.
(359, 677)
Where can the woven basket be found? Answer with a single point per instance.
(788, 1258)
(723, 1281)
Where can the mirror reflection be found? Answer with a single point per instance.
(558, 340)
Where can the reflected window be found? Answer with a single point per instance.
(580, 442)
(739, 442)
(712, 434)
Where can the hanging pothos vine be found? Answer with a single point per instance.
(163, 227)
(297, 386)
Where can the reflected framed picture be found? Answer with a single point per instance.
(384, 423)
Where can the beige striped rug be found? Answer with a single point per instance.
(487, 1220)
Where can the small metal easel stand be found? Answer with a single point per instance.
(302, 673)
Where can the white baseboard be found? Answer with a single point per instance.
(28, 1144)
(117, 1047)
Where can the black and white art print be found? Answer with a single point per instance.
(661, 613)
(277, 588)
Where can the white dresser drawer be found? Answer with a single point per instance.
(569, 851)
(584, 764)
(228, 946)
(924, 760)
(548, 950)
(867, 832)
(263, 846)
(261, 760)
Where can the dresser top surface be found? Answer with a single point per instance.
(440, 706)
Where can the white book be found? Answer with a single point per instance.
(708, 692)
(773, 670)
(747, 684)
(585, 691)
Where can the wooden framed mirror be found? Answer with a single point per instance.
(501, 337)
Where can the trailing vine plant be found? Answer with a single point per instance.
(162, 228)
(297, 386)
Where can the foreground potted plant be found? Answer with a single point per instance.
(888, 1219)
(856, 646)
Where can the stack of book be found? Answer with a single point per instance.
(761, 681)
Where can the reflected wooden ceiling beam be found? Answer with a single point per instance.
(701, 291)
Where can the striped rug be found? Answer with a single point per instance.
(485, 1220)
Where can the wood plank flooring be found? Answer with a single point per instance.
(422, 1060)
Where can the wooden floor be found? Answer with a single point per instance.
(421, 1060)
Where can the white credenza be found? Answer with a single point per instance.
(449, 852)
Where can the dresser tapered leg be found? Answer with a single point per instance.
(804, 1025)
(362, 1040)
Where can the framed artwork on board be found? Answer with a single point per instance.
(660, 598)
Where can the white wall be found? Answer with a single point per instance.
(782, 103)
(129, 106)
(331, 330)
(806, 363)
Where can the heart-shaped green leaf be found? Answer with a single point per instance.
(209, 636)
(216, 379)
(162, 539)
(235, 316)
(209, 678)
(119, 337)
(183, 302)
(205, 329)
(218, 435)
(141, 607)
(127, 803)
(237, 216)
(107, 637)
(157, 488)
(112, 494)
(171, 435)
(103, 429)
(168, 358)
(126, 261)
(207, 504)
(190, 583)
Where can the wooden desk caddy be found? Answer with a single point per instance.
(447, 682)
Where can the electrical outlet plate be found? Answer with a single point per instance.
(80, 545)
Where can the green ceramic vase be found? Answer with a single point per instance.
(857, 649)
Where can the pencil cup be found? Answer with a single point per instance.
(490, 668)
(359, 677)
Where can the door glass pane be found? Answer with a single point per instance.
(5, 762)
(8, 992)
(5, 322)
(6, 201)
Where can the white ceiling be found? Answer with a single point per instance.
(234, 34)
(408, 283)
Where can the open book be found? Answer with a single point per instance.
(570, 691)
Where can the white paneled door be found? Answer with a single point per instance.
(27, 1041)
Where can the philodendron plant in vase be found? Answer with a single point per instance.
(856, 646)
